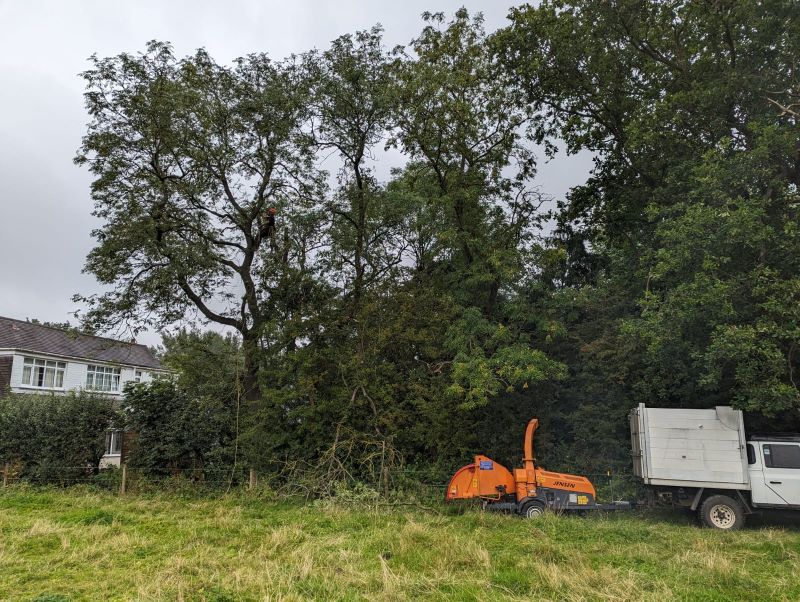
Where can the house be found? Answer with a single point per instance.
(42, 359)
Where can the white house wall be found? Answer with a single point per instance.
(74, 375)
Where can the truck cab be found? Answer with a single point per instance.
(774, 469)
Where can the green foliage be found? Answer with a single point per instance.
(175, 429)
(417, 267)
(490, 359)
(673, 269)
(206, 364)
(55, 437)
(460, 116)
(432, 315)
(723, 284)
(65, 326)
(187, 157)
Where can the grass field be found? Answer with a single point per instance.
(78, 545)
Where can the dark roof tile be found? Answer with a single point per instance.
(16, 334)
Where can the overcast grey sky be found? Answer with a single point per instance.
(45, 207)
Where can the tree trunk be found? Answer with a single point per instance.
(361, 226)
(252, 356)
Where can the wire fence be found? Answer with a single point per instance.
(215, 480)
(132, 480)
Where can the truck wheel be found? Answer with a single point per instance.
(722, 512)
(532, 510)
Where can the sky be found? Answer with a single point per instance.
(45, 203)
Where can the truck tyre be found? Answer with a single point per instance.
(532, 510)
(722, 512)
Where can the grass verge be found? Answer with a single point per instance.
(58, 545)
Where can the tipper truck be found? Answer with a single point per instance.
(701, 459)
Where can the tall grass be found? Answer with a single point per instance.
(82, 545)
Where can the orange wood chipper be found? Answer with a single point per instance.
(530, 490)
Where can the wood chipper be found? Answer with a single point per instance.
(530, 490)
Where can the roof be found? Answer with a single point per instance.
(36, 338)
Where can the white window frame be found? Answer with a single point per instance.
(103, 378)
(114, 440)
(32, 365)
(138, 375)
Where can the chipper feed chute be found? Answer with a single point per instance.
(484, 478)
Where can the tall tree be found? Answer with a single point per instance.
(461, 117)
(188, 157)
(692, 206)
(353, 105)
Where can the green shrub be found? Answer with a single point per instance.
(55, 438)
(177, 430)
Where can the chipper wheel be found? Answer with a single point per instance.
(722, 512)
(532, 510)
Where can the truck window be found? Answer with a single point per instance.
(781, 456)
(751, 454)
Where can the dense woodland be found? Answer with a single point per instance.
(419, 320)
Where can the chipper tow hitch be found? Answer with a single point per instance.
(530, 490)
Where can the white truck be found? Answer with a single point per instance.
(701, 459)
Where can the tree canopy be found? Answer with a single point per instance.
(431, 314)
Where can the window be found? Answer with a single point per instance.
(751, 454)
(45, 374)
(781, 456)
(137, 376)
(102, 378)
(113, 443)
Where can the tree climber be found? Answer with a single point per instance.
(268, 228)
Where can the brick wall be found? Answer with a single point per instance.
(128, 443)
(6, 362)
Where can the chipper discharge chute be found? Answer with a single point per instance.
(529, 490)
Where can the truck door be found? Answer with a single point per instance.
(782, 470)
(761, 494)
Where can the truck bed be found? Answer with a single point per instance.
(691, 448)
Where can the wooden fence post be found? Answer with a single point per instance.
(6, 470)
(123, 484)
(253, 480)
